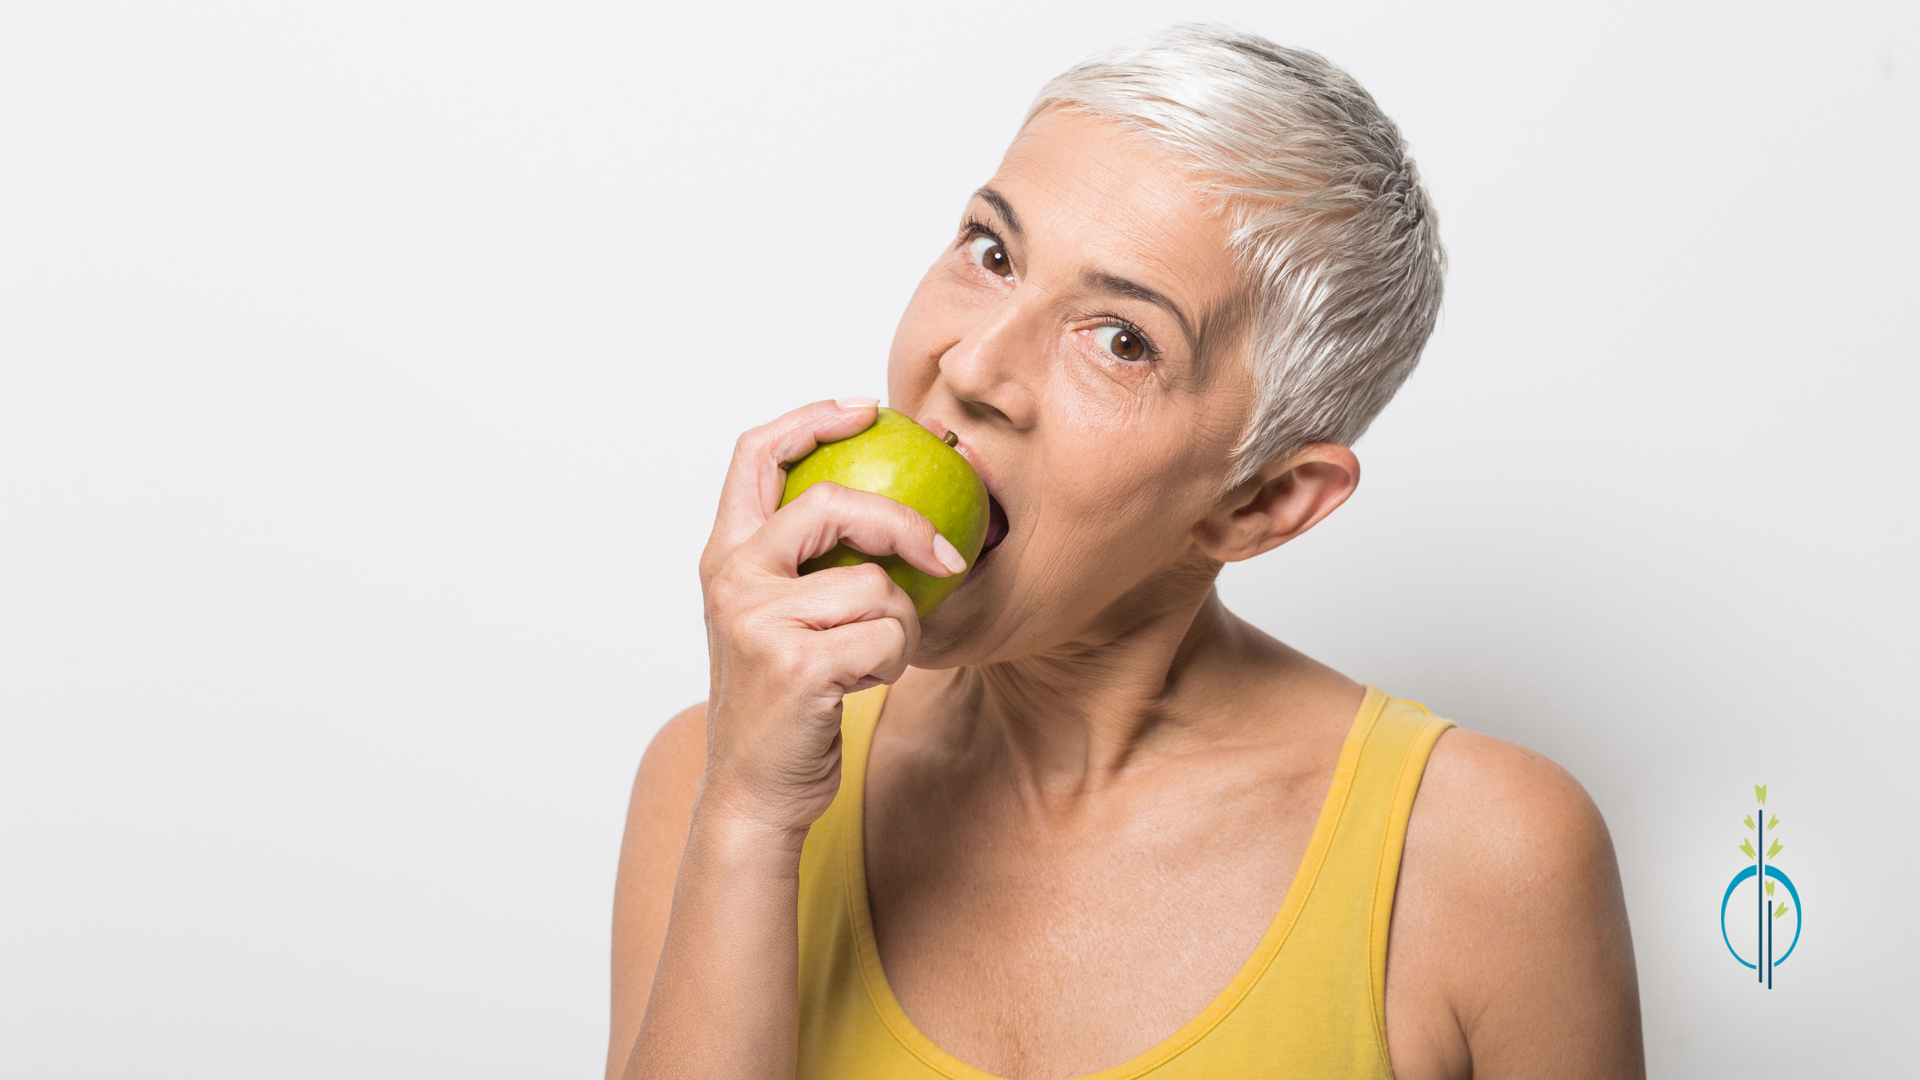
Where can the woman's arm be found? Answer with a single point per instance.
(659, 815)
(721, 997)
(735, 903)
(1510, 955)
(705, 932)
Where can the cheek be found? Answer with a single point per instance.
(1102, 534)
(1108, 492)
(1110, 420)
(1126, 470)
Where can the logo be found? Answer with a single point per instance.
(1768, 909)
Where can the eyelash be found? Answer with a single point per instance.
(973, 227)
(1151, 352)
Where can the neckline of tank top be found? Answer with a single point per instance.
(932, 1054)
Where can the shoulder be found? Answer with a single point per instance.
(1493, 805)
(658, 815)
(1508, 841)
(665, 786)
(660, 809)
(1509, 924)
(675, 757)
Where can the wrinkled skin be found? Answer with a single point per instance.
(1104, 465)
(1092, 784)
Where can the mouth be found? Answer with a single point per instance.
(996, 526)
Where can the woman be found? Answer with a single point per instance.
(1081, 820)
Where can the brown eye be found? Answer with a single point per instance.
(988, 253)
(1122, 342)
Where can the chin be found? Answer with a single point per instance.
(961, 631)
(953, 635)
(957, 633)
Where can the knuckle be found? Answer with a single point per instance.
(890, 646)
(744, 630)
(909, 523)
(792, 667)
(754, 446)
(815, 498)
(742, 456)
(725, 581)
(749, 441)
(746, 622)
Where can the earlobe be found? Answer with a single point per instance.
(1282, 501)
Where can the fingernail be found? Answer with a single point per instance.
(851, 403)
(948, 555)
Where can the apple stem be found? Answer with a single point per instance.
(951, 438)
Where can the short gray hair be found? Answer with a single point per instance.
(1331, 224)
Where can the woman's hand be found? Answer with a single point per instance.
(784, 648)
(719, 997)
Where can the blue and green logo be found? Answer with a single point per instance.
(1768, 908)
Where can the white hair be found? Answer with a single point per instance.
(1331, 224)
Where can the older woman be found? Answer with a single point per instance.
(1081, 819)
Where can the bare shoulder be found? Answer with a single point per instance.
(674, 759)
(660, 810)
(1490, 806)
(1509, 950)
(664, 788)
(658, 815)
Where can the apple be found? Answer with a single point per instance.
(898, 458)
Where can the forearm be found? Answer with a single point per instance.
(724, 1000)
(785, 649)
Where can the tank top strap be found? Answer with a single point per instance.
(1311, 1000)
(1372, 832)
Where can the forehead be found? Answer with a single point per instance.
(1092, 192)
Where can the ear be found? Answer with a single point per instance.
(1284, 499)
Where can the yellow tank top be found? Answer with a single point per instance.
(1309, 1002)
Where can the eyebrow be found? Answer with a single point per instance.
(1113, 283)
(1003, 208)
(1098, 279)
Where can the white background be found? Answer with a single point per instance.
(367, 371)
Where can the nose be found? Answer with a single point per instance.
(996, 368)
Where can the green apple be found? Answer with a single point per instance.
(898, 458)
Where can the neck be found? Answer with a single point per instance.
(1145, 677)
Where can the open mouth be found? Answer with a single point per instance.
(996, 525)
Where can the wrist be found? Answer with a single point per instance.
(737, 831)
